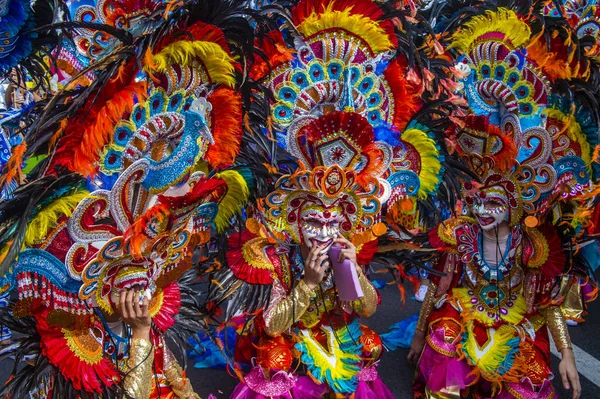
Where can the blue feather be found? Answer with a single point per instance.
(401, 333)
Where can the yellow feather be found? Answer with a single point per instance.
(219, 65)
(46, 219)
(500, 345)
(501, 26)
(236, 197)
(333, 361)
(365, 28)
(431, 166)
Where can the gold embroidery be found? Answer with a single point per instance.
(446, 229)
(84, 345)
(138, 369)
(446, 393)
(367, 305)
(254, 254)
(540, 248)
(282, 313)
(426, 307)
(557, 326)
(181, 386)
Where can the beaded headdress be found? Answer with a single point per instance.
(331, 94)
(341, 165)
(518, 128)
(344, 60)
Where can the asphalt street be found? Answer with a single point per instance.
(397, 373)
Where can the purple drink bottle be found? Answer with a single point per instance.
(345, 275)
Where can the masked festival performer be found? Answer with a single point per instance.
(341, 97)
(578, 287)
(303, 322)
(99, 243)
(304, 341)
(482, 328)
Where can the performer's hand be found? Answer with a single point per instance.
(348, 251)
(416, 346)
(315, 266)
(134, 314)
(568, 372)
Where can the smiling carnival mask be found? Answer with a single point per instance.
(320, 226)
(491, 213)
(496, 201)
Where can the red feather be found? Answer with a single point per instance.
(84, 374)
(407, 99)
(238, 265)
(275, 51)
(165, 318)
(367, 251)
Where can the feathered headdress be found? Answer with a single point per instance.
(518, 130)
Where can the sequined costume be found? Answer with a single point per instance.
(300, 328)
(486, 311)
(491, 316)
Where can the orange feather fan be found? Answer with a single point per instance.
(226, 127)
(406, 95)
(91, 129)
(556, 60)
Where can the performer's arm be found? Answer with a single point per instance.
(367, 305)
(284, 309)
(557, 326)
(138, 372)
(179, 383)
(426, 307)
(138, 368)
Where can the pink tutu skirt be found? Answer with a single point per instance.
(288, 386)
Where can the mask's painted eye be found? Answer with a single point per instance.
(314, 223)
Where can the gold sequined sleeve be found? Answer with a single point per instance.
(138, 373)
(179, 383)
(557, 326)
(367, 305)
(284, 309)
(426, 307)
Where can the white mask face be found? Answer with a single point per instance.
(320, 227)
(490, 214)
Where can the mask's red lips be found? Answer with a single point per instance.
(485, 220)
(315, 241)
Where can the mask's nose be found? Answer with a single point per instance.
(324, 232)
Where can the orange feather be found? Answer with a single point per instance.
(226, 126)
(91, 129)
(12, 169)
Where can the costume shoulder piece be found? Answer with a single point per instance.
(543, 252)
(447, 230)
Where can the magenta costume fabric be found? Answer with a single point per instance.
(287, 386)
